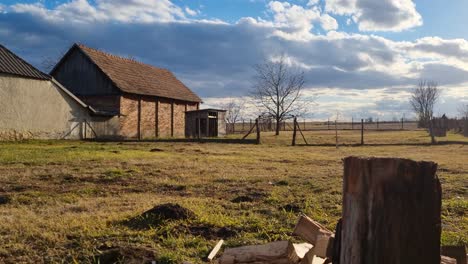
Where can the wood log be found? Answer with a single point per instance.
(309, 230)
(447, 260)
(302, 249)
(456, 252)
(281, 252)
(391, 212)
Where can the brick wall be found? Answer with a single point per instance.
(129, 118)
(148, 117)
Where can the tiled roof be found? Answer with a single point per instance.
(134, 77)
(10, 63)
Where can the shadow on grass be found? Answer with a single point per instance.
(442, 143)
(184, 140)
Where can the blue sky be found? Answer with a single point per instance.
(361, 57)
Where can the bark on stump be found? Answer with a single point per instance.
(391, 212)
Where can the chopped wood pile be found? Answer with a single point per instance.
(383, 221)
(317, 249)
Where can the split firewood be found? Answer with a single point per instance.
(281, 252)
(309, 230)
(215, 250)
(302, 249)
(447, 260)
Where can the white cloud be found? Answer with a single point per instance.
(129, 11)
(191, 12)
(381, 15)
(215, 58)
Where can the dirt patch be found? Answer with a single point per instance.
(4, 199)
(160, 214)
(243, 199)
(132, 255)
(291, 208)
(249, 198)
(208, 232)
(156, 150)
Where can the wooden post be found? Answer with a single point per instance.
(250, 124)
(465, 128)
(284, 125)
(156, 117)
(402, 123)
(362, 131)
(139, 120)
(391, 212)
(258, 130)
(85, 128)
(377, 124)
(243, 125)
(172, 118)
(294, 132)
(352, 123)
(304, 124)
(328, 123)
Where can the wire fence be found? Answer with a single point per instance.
(305, 125)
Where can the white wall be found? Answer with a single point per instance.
(38, 109)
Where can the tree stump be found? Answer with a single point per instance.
(391, 212)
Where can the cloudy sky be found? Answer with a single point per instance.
(360, 57)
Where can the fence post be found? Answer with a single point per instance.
(402, 123)
(304, 124)
(362, 131)
(383, 218)
(284, 125)
(258, 130)
(377, 123)
(352, 123)
(328, 123)
(243, 125)
(294, 132)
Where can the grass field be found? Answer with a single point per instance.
(68, 201)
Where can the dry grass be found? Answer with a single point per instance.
(66, 200)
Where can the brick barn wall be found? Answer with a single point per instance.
(179, 119)
(148, 117)
(129, 118)
(164, 117)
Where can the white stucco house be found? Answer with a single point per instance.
(33, 105)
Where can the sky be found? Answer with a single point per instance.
(361, 58)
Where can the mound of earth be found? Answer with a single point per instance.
(159, 214)
(131, 255)
(242, 199)
(169, 211)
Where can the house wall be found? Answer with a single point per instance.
(38, 109)
(166, 115)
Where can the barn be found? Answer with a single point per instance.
(139, 101)
(34, 105)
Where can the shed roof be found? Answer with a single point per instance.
(134, 77)
(10, 63)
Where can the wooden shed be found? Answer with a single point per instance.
(205, 123)
(141, 101)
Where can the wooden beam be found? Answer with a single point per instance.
(215, 250)
(172, 118)
(281, 252)
(139, 119)
(156, 117)
(391, 211)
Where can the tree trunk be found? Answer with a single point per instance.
(391, 212)
(431, 131)
(278, 120)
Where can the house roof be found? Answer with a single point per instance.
(10, 63)
(134, 77)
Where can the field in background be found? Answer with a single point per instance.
(69, 201)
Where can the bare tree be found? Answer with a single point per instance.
(277, 90)
(423, 100)
(463, 110)
(234, 109)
